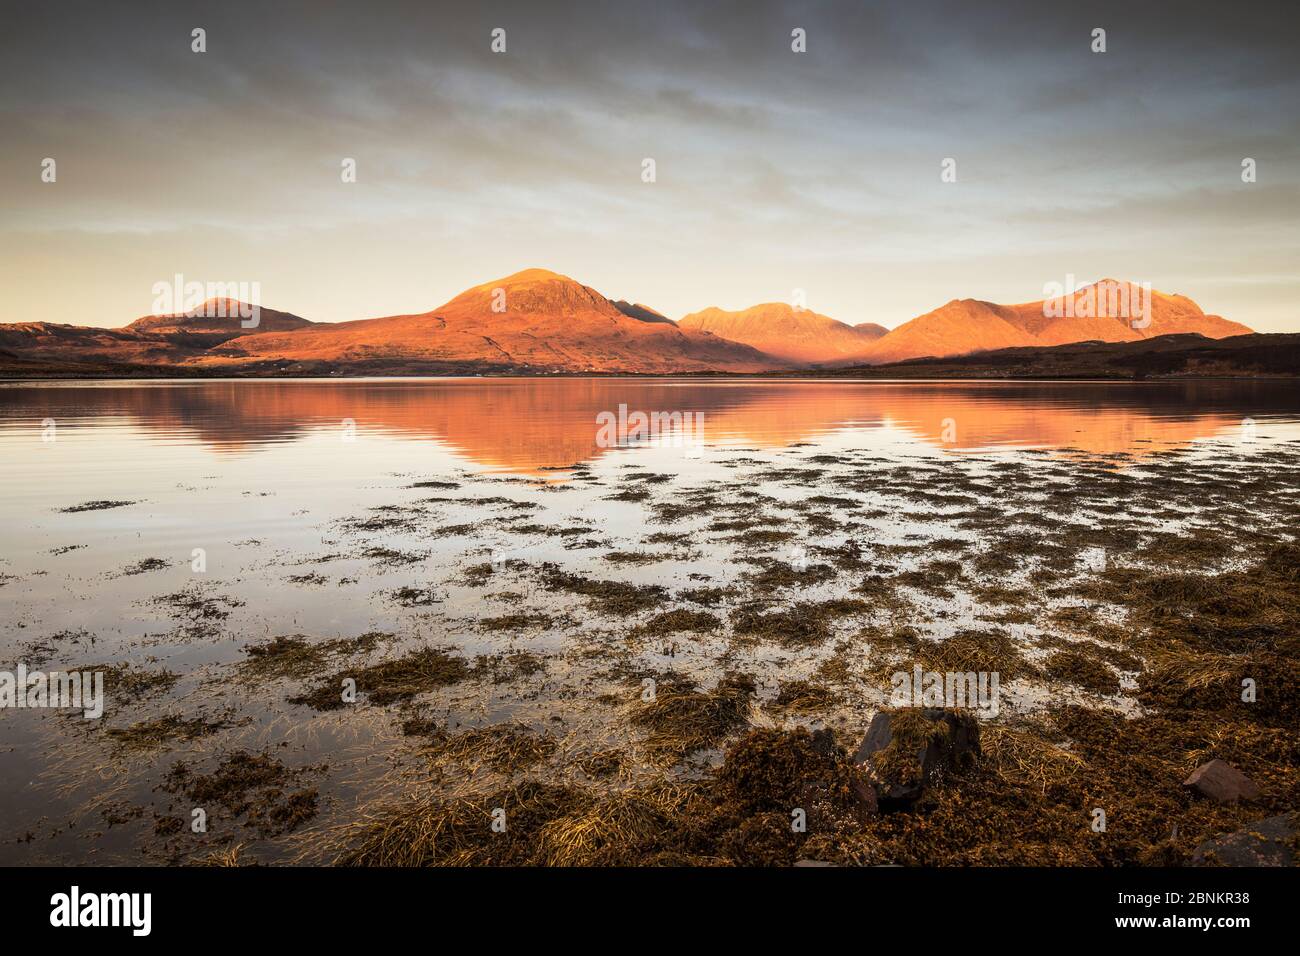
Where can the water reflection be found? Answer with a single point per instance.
(527, 425)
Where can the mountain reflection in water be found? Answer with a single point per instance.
(527, 425)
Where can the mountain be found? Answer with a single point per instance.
(1106, 311)
(642, 312)
(149, 340)
(219, 317)
(961, 326)
(73, 346)
(780, 329)
(535, 320)
(1180, 355)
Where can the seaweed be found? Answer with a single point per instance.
(505, 748)
(612, 597)
(389, 681)
(682, 719)
(249, 785)
(670, 622)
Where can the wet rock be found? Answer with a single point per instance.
(906, 748)
(1265, 843)
(1222, 783)
(823, 742)
(863, 796)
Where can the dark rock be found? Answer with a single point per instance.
(876, 739)
(1222, 783)
(812, 863)
(864, 800)
(1265, 843)
(823, 742)
(906, 748)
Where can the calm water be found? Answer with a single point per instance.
(523, 425)
(262, 472)
(273, 483)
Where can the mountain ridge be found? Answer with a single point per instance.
(786, 331)
(533, 319)
(536, 321)
(1107, 310)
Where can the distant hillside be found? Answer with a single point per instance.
(780, 329)
(1167, 356)
(220, 317)
(533, 320)
(539, 322)
(1108, 310)
(167, 341)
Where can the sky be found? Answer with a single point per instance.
(779, 175)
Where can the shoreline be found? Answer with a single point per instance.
(139, 376)
(1262, 356)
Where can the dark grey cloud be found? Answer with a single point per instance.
(817, 171)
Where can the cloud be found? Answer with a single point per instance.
(776, 170)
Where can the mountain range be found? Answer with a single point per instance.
(781, 330)
(537, 321)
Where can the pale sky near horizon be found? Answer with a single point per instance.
(776, 170)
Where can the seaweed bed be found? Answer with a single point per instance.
(1039, 778)
(641, 707)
